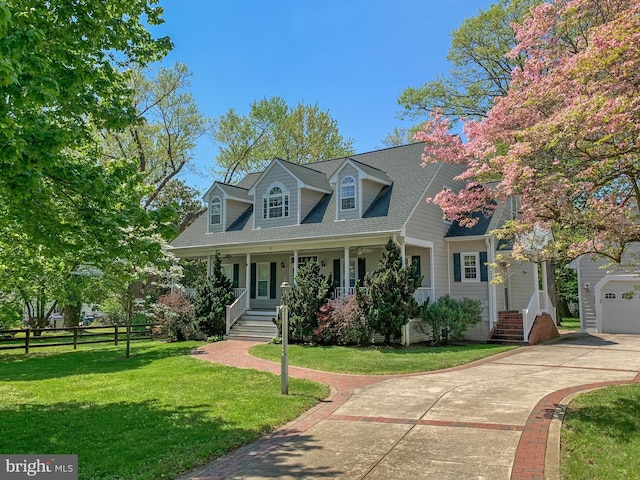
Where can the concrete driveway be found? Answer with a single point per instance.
(489, 420)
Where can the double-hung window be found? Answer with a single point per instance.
(348, 193)
(470, 267)
(276, 204)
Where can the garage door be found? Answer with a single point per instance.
(620, 307)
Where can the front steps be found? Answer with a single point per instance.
(509, 328)
(254, 325)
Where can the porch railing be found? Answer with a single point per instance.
(190, 292)
(422, 294)
(236, 309)
(340, 292)
(538, 304)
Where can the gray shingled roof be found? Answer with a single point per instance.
(308, 176)
(375, 172)
(235, 191)
(401, 164)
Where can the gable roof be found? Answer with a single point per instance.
(306, 176)
(233, 191)
(368, 170)
(388, 213)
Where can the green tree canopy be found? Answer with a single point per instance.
(298, 134)
(480, 72)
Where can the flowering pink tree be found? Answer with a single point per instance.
(565, 139)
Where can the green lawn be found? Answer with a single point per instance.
(601, 435)
(570, 324)
(378, 360)
(155, 415)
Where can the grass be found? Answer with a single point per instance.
(155, 415)
(570, 323)
(378, 360)
(601, 435)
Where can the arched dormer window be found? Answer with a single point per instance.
(215, 209)
(276, 202)
(348, 193)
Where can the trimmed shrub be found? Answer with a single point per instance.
(213, 294)
(447, 318)
(387, 299)
(174, 314)
(308, 293)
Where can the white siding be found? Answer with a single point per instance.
(521, 284)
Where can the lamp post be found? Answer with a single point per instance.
(284, 360)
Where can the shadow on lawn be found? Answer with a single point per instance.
(42, 366)
(618, 418)
(142, 441)
(120, 440)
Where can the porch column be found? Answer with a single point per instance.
(432, 274)
(209, 264)
(247, 280)
(403, 252)
(544, 287)
(346, 268)
(536, 285)
(295, 265)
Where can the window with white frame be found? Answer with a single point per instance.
(276, 203)
(216, 211)
(470, 267)
(348, 193)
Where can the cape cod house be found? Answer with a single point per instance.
(341, 213)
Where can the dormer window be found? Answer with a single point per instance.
(276, 203)
(216, 211)
(348, 193)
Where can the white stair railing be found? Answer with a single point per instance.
(529, 315)
(236, 309)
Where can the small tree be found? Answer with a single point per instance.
(213, 294)
(387, 298)
(307, 295)
(448, 318)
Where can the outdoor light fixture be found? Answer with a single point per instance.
(284, 361)
(322, 263)
(282, 266)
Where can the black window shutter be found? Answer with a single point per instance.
(272, 281)
(236, 274)
(457, 272)
(484, 270)
(337, 275)
(415, 261)
(362, 269)
(252, 288)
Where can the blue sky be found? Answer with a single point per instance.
(352, 57)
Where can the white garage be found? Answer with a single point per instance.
(618, 304)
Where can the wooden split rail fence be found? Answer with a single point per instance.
(29, 338)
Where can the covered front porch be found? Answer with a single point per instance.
(258, 272)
